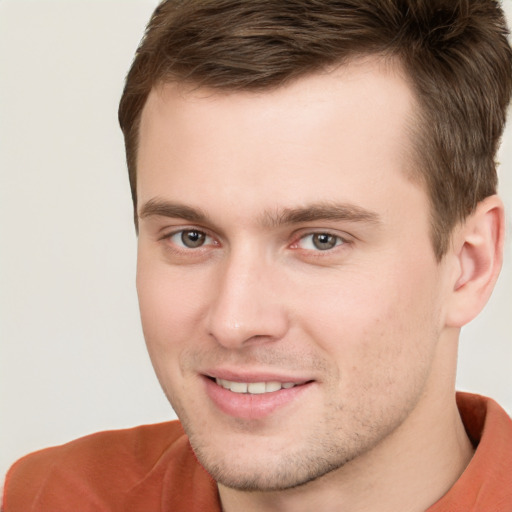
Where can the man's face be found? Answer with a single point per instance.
(284, 254)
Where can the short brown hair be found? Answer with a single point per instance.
(454, 52)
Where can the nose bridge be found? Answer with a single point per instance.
(246, 307)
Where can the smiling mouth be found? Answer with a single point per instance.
(252, 399)
(255, 388)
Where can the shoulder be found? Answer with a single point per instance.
(486, 484)
(90, 468)
(485, 420)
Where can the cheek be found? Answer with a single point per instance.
(170, 309)
(377, 327)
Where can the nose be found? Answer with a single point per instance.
(248, 307)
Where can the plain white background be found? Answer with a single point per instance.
(73, 359)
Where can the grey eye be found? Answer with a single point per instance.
(320, 241)
(192, 238)
(324, 241)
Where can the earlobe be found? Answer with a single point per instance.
(479, 257)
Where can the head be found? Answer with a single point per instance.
(454, 54)
(314, 191)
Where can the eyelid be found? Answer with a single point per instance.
(343, 237)
(170, 231)
(167, 234)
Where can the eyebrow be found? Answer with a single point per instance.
(162, 208)
(322, 211)
(308, 213)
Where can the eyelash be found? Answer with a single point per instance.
(182, 247)
(337, 240)
(176, 246)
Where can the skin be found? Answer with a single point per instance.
(371, 323)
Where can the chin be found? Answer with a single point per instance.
(270, 472)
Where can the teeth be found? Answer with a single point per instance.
(254, 388)
(238, 387)
(272, 386)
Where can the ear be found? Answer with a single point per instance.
(478, 252)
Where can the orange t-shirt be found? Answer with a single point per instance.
(152, 468)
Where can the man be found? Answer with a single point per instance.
(315, 197)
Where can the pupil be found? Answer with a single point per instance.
(324, 241)
(192, 238)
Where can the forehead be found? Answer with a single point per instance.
(319, 138)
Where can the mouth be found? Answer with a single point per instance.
(255, 388)
(254, 398)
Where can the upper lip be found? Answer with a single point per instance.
(254, 376)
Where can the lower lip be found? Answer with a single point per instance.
(249, 406)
